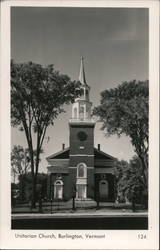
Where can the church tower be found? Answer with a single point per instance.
(81, 109)
(82, 141)
(81, 171)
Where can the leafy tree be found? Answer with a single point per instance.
(129, 181)
(20, 163)
(14, 193)
(38, 94)
(120, 167)
(20, 160)
(124, 110)
(41, 187)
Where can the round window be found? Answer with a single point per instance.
(82, 136)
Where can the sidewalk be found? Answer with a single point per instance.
(64, 210)
(81, 214)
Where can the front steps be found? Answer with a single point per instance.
(84, 203)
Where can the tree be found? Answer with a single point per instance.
(20, 163)
(20, 160)
(129, 181)
(41, 187)
(124, 110)
(14, 193)
(38, 94)
(120, 167)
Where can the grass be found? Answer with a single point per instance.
(64, 207)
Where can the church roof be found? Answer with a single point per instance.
(64, 154)
(98, 154)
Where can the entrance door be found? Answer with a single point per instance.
(81, 181)
(103, 189)
(81, 191)
(58, 190)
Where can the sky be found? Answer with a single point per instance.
(115, 46)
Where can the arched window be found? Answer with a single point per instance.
(82, 93)
(81, 112)
(75, 113)
(87, 94)
(81, 171)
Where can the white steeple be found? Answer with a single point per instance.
(82, 77)
(81, 109)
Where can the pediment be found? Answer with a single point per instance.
(100, 155)
(63, 154)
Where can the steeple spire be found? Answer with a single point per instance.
(81, 108)
(82, 77)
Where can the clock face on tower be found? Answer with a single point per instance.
(82, 136)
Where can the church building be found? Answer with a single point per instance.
(81, 170)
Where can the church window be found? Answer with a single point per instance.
(87, 94)
(82, 136)
(81, 112)
(81, 171)
(75, 113)
(82, 93)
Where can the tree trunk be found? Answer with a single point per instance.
(22, 188)
(144, 171)
(73, 204)
(145, 175)
(34, 183)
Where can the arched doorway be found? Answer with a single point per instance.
(103, 189)
(81, 181)
(58, 189)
